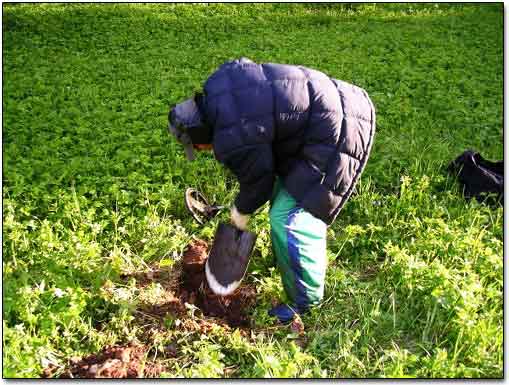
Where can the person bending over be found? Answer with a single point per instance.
(292, 136)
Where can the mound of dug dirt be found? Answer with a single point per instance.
(187, 285)
(192, 288)
(195, 290)
(113, 362)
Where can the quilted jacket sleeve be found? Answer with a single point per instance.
(254, 169)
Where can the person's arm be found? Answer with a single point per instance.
(253, 166)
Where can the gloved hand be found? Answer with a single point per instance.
(238, 220)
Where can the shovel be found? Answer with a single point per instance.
(229, 258)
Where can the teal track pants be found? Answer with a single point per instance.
(299, 245)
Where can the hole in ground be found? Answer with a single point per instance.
(195, 290)
(187, 284)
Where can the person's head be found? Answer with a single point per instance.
(186, 122)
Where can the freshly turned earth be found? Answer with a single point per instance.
(127, 361)
(194, 289)
(193, 269)
(113, 362)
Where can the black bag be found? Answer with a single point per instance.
(479, 176)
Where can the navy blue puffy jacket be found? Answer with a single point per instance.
(312, 131)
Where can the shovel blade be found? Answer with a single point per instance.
(229, 258)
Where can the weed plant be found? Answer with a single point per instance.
(93, 186)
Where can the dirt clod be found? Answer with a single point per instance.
(195, 255)
(193, 268)
(113, 362)
(49, 371)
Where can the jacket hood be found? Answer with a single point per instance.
(188, 117)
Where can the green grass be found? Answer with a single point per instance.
(93, 185)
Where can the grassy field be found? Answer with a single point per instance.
(93, 187)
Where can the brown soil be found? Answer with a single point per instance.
(113, 362)
(193, 268)
(194, 289)
(195, 255)
(187, 285)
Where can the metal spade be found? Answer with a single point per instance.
(229, 258)
(198, 206)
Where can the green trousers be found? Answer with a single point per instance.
(299, 246)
